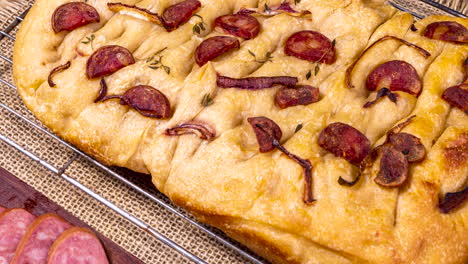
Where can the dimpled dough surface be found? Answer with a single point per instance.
(257, 198)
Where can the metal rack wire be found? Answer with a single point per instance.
(5, 33)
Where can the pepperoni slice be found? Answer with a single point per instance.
(13, 225)
(447, 31)
(239, 25)
(214, 47)
(457, 96)
(300, 95)
(346, 142)
(107, 60)
(178, 14)
(395, 75)
(409, 145)
(311, 46)
(265, 130)
(77, 245)
(145, 99)
(70, 16)
(38, 239)
(393, 168)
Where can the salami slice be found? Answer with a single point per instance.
(214, 47)
(38, 239)
(178, 14)
(311, 46)
(395, 75)
(13, 225)
(239, 25)
(70, 16)
(457, 96)
(107, 60)
(77, 246)
(450, 31)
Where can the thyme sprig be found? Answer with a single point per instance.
(155, 62)
(89, 40)
(318, 64)
(268, 57)
(200, 26)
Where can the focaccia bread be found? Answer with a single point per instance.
(312, 131)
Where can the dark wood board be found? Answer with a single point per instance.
(15, 193)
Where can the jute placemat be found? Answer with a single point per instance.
(136, 241)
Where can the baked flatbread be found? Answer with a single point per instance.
(333, 154)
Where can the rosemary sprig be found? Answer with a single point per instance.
(199, 27)
(207, 100)
(268, 57)
(89, 40)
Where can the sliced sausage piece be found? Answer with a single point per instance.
(266, 130)
(409, 145)
(239, 25)
(107, 60)
(346, 142)
(70, 16)
(393, 168)
(214, 47)
(450, 31)
(311, 46)
(77, 246)
(299, 95)
(38, 239)
(13, 225)
(178, 14)
(457, 96)
(395, 75)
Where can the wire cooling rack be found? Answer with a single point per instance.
(430, 7)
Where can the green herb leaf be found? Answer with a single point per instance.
(267, 8)
(298, 128)
(153, 67)
(196, 29)
(167, 69)
(207, 100)
(253, 54)
(317, 69)
(309, 74)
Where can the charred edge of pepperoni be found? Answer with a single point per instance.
(380, 94)
(107, 60)
(346, 142)
(153, 17)
(240, 25)
(145, 99)
(457, 96)
(178, 14)
(70, 16)
(102, 92)
(397, 76)
(267, 131)
(343, 182)
(350, 69)
(393, 168)
(409, 145)
(214, 47)
(299, 95)
(56, 70)
(255, 83)
(450, 31)
(452, 201)
(201, 130)
(310, 46)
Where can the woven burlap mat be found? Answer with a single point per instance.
(136, 241)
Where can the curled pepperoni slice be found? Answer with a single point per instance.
(395, 75)
(300, 95)
(266, 130)
(447, 31)
(409, 145)
(239, 25)
(70, 16)
(178, 14)
(393, 168)
(310, 46)
(145, 99)
(213, 47)
(346, 142)
(107, 60)
(457, 96)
